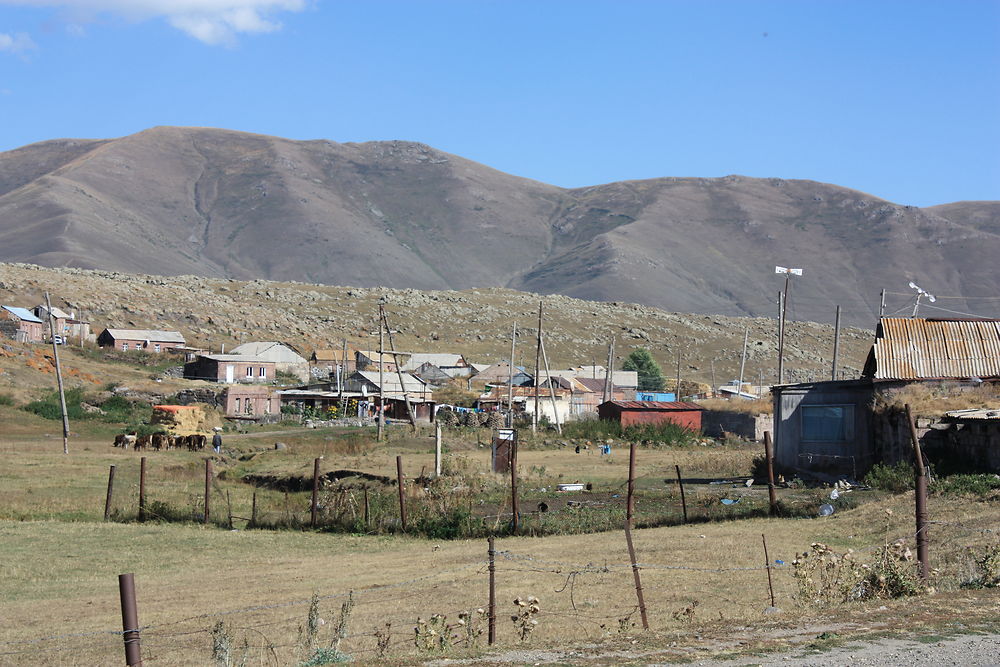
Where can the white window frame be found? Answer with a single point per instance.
(262, 372)
(249, 371)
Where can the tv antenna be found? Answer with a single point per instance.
(921, 292)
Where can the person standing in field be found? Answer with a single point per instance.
(217, 442)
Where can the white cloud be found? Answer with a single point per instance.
(16, 43)
(211, 21)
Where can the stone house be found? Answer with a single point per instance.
(284, 356)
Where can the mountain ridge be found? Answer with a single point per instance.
(224, 203)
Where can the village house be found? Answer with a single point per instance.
(21, 325)
(367, 360)
(497, 398)
(499, 373)
(149, 340)
(250, 402)
(453, 365)
(229, 368)
(841, 428)
(67, 326)
(632, 413)
(324, 362)
(284, 356)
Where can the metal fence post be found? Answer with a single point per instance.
(208, 486)
(130, 619)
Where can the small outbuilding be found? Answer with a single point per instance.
(629, 413)
(150, 340)
(229, 368)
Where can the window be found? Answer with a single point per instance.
(249, 371)
(827, 423)
(262, 371)
(156, 347)
(237, 405)
(125, 347)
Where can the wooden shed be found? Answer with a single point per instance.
(629, 413)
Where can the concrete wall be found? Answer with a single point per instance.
(716, 423)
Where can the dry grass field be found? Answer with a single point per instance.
(705, 586)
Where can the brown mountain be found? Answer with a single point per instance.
(219, 203)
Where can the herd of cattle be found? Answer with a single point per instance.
(158, 441)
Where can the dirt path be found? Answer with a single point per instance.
(966, 650)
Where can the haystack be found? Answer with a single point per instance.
(184, 419)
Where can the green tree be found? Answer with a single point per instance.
(650, 375)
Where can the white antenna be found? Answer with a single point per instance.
(921, 292)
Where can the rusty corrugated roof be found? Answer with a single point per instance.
(923, 349)
(656, 405)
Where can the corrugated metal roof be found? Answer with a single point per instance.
(147, 334)
(923, 349)
(656, 405)
(22, 314)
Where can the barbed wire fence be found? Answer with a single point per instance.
(555, 601)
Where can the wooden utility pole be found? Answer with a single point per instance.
(678, 397)
(552, 391)
(608, 375)
(538, 358)
(743, 362)
(510, 379)
(881, 305)
(343, 379)
(399, 371)
(402, 496)
(437, 449)
(515, 508)
(772, 495)
(836, 345)
(59, 380)
(381, 381)
(920, 474)
(714, 386)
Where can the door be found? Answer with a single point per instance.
(229, 374)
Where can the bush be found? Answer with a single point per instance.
(6, 399)
(601, 429)
(894, 479)
(49, 408)
(969, 485)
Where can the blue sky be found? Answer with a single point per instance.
(897, 99)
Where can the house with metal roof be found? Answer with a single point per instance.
(841, 428)
(284, 356)
(21, 325)
(150, 340)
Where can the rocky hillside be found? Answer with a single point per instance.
(213, 312)
(216, 203)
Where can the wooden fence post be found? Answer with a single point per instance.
(208, 487)
(315, 494)
(767, 562)
(142, 489)
(920, 493)
(111, 489)
(772, 494)
(680, 483)
(492, 616)
(514, 507)
(635, 575)
(402, 498)
(630, 495)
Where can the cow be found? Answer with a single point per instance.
(199, 441)
(143, 442)
(160, 441)
(123, 440)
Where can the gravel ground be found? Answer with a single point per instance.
(965, 650)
